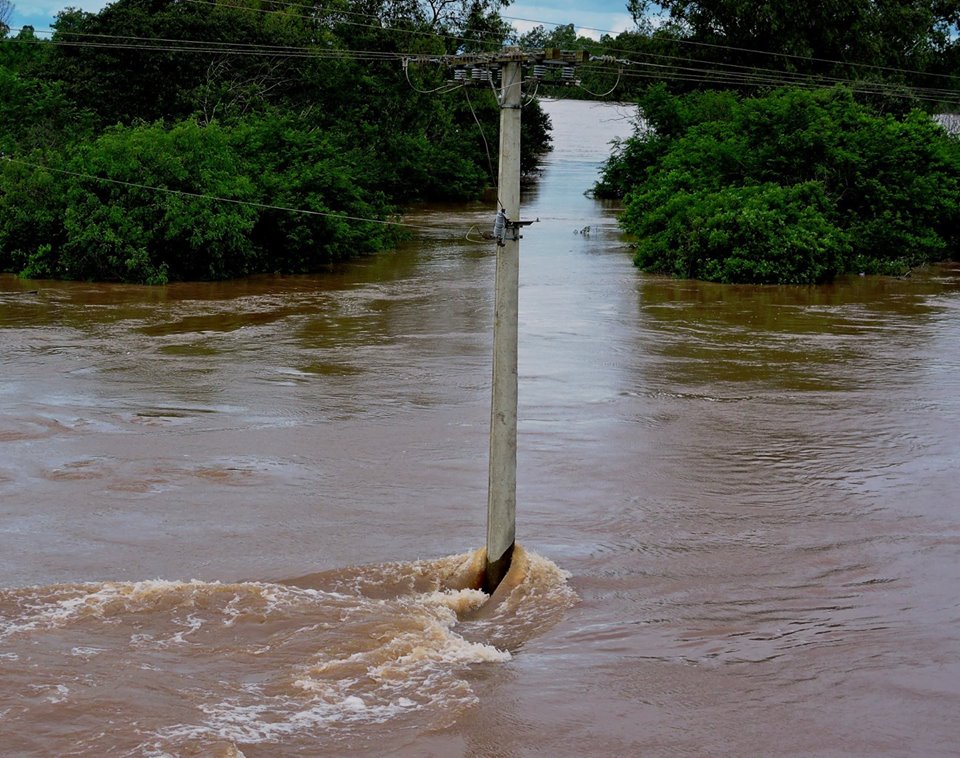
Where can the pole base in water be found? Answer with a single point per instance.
(495, 570)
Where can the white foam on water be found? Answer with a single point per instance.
(413, 661)
(193, 624)
(54, 693)
(274, 719)
(62, 692)
(56, 606)
(86, 652)
(387, 645)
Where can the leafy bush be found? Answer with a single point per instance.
(795, 186)
(120, 152)
(66, 223)
(759, 234)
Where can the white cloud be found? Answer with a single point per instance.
(589, 22)
(41, 13)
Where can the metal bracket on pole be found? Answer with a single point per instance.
(514, 227)
(505, 229)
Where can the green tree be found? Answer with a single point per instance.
(792, 187)
(887, 50)
(901, 33)
(563, 37)
(151, 204)
(165, 153)
(37, 113)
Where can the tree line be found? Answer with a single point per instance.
(789, 142)
(184, 139)
(167, 139)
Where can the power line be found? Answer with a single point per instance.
(486, 147)
(787, 75)
(463, 38)
(378, 27)
(185, 193)
(202, 46)
(712, 75)
(716, 73)
(734, 78)
(719, 79)
(734, 48)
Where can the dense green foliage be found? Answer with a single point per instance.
(122, 132)
(729, 178)
(905, 34)
(793, 187)
(896, 55)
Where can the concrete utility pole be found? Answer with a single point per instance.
(479, 69)
(502, 487)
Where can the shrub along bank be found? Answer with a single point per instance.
(796, 186)
(124, 127)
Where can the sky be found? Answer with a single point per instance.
(590, 18)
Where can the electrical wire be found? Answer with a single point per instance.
(693, 74)
(355, 14)
(734, 48)
(486, 147)
(497, 95)
(711, 76)
(536, 89)
(179, 41)
(785, 76)
(788, 75)
(379, 25)
(716, 73)
(198, 46)
(609, 91)
(484, 236)
(443, 88)
(461, 38)
(185, 193)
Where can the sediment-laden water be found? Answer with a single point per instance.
(243, 518)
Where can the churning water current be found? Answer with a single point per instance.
(243, 517)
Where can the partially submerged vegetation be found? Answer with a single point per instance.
(163, 140)
(791, 143)
(750, 167)
(795, 186)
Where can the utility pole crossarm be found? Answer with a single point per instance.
(507, 55)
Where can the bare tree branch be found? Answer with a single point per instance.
(6, 12)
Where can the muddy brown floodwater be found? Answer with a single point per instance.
(241, 518)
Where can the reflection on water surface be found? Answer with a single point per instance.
(753, 489)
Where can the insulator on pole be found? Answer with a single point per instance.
(567, 73)
(500, 226)
(539, 71)
(459, 75)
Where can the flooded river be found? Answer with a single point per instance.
(242, 518)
